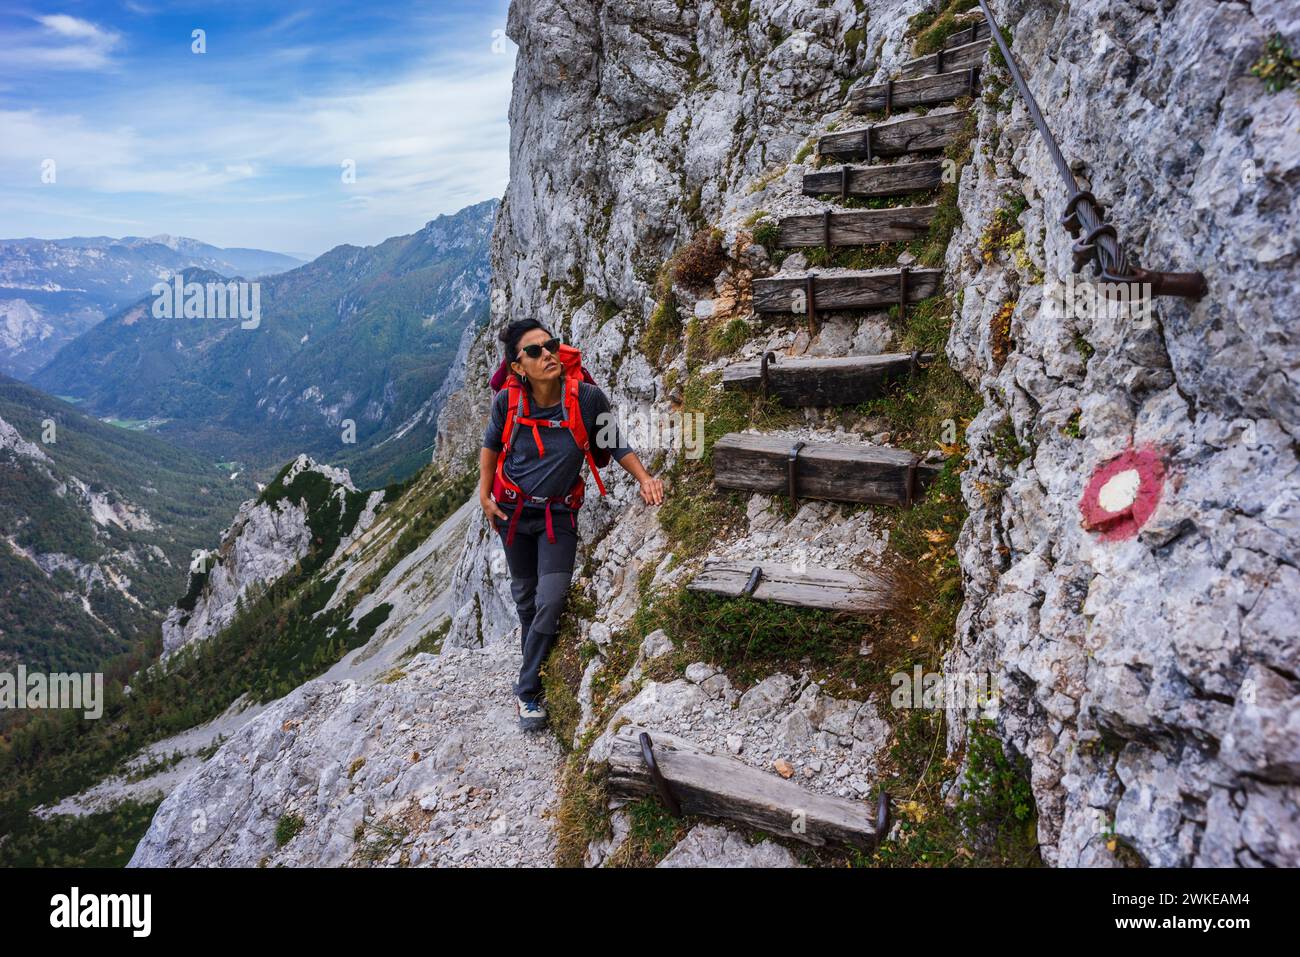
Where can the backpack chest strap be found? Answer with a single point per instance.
(544, 423)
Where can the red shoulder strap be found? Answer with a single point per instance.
(573, 413)
(514, 397)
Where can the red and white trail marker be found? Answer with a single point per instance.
(1122, 494)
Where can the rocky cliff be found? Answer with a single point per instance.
(1152, 681)
(1146, 676)
(267, 538)
(1149, 682)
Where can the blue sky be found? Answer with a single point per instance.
(244, 144)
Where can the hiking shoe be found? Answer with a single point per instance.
(532, 716)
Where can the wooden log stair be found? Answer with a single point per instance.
(687, 779)
(874, 182)
(947, 60)
(941, 77)
(921, 91)
(819, 470)
(808, 292)
(896, 137)
(857, 227)
(828, 471)
(644, 762)
(833, 589)
(839, 380)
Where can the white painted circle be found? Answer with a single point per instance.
(1120, 491)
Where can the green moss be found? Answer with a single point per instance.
(287, 828)
(562, 673)
(1009, 448)
(735, 14)
(995, 53)
(652, 833)
(926, 324)
(431, 641)
(994, 820)
(748, 638)
(765, 234)
(582, 811)
(993, 89)
(663, 331)
(1003, 231)
(694, 513)
(1072, 428)
(605, 311)
(693, 203)
(655, 123)
(932, 28)
(1084, 347)
(724, 340)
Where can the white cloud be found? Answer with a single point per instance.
(428, 141)
(64, 43)
(67, 26)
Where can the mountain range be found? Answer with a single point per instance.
(53, 290)
(343, 363)
(98, 526)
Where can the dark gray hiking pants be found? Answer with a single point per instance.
(540, 571)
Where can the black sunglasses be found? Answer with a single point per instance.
(535, 350)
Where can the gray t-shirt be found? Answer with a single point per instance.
(554, 473)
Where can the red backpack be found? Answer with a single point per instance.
(507, 492)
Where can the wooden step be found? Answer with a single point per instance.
(809, 292)
(841, 380)
(830, 471)
(911, 134)
(897, 179)
(922, 91)
(977, 31)
(720, 786)
(858, 227)
(833, 589)
(946, 61)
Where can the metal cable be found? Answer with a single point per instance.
(1100, 241)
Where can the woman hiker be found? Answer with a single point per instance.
(549, 419)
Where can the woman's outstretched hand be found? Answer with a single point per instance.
(652, 490)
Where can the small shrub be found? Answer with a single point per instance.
(699, 261)
(765, 234)
(1277, 67)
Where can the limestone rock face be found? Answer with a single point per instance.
(265, 540)
(633, 125)
(1150, 680)
(710, 846)
(429, 769)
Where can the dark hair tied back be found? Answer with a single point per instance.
(512, 333)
